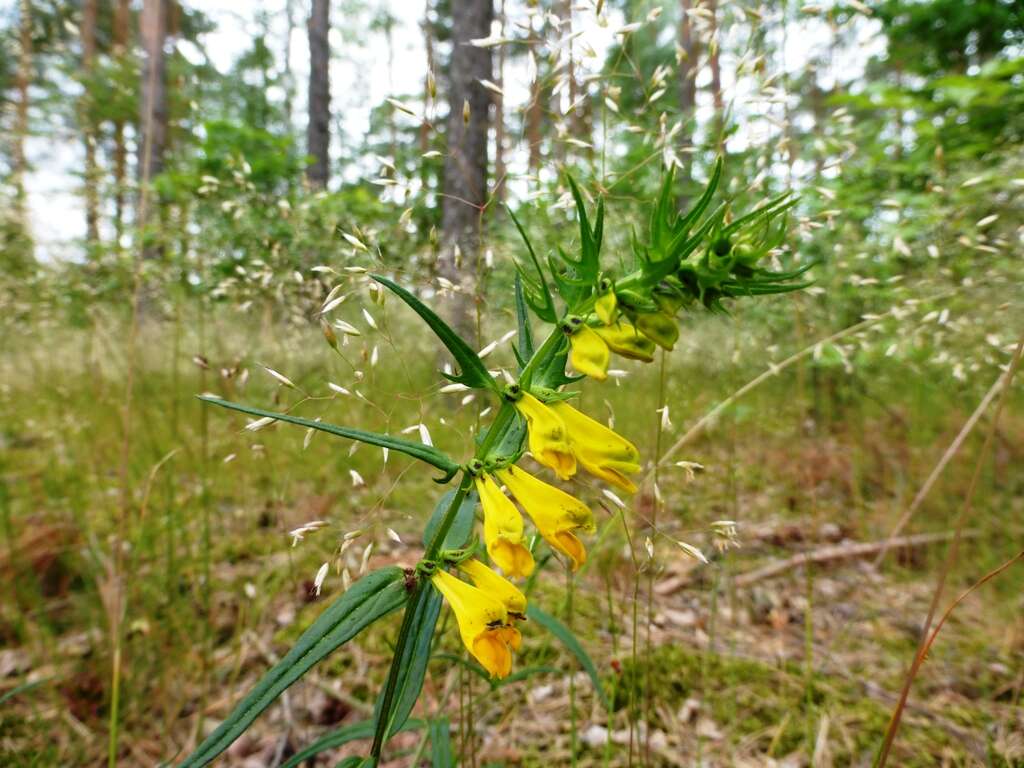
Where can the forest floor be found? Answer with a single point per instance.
(189, 560)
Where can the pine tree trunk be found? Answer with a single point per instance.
(535, 108)
(465, 168)
(689, 47)
(318, 134)
(153, 115)
(715, 64)
(500, 169)
(429, 91)
(92, 204)
(22, 80)
(122, 14)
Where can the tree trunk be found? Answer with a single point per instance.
(122, 14)
(429, 92)
(465, 168)
(153, 116)
(535, 108)
(689, 56)
(318, 134)
(500, 169)
(715, 64)
(23, 78)
(92, 204)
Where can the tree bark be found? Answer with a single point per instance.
(500, 169)
(153, 116)
(122, 15)
(689, 56)
(92, 205)
(22, 80)
(318, 134)
(465, 168)
(535, 108)
(715, 64)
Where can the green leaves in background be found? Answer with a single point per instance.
(441, 743)
(473, 372)
(421, 451)
(372, 597)
(568, 639)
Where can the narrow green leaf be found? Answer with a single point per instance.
(369, 599)
(525, 338)
(568, 639)
(421, 451)
(462, 527)
(538, 295)
(413, 664)
(340, 737)
(441, 743)
(472, 371)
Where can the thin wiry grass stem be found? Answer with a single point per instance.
(951, 556)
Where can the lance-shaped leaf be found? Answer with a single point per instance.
(536, 291)
(524, 345)
(421, 451)
(412, 667)
(472, 371)
(372, 597)
(441, 755)
(340, 737)
(462, 526)
(568, 639)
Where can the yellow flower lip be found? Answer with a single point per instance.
(497, 586)
(503, 529)
(624, 339)
(556, 514)
(589, 353)
(598, 449)
(547, 436)
(483, 623)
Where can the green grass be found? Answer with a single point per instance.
(813, 445)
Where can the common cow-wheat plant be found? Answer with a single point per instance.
(692, 260)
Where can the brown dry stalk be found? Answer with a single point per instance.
(951, 451)
(844, 552)
(926, 637)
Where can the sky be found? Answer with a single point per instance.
(361, 78)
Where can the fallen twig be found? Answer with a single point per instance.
(843, 552)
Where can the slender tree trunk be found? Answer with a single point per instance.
(318, 134)
(429, 93)
(92, 203)
(535, 108)
(500, 169)
(122, 14)
(715, 65)
(689, 56)
(153, 115)
(22, 80)
(465, 169)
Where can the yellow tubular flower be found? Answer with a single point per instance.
(497, 586)
(503, 530)
(589, 353)
(626, 340)
(606, 307)
(547, 435)
(555, 513)
(600, 451)
(659, 328)
(482, 623)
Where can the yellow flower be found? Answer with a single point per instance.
(606, 307)
(483, 623)
(589, 353)
(555, 513)
(497, 586)
(659, 328)
(503, 529)
(600, 451)
(547, 436)
(624, 339)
